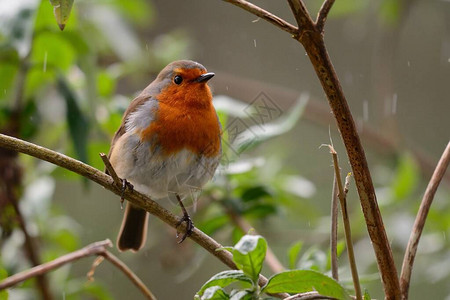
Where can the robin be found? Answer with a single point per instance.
(167, 145)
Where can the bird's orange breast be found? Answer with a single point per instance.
(186, 119)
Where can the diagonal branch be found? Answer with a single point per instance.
(264, 14)
(323, 14)
(419, 224)
(132, 196)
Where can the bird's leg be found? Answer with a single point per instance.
(186, 218)
(125, 184)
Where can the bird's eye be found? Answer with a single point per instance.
(178, 79)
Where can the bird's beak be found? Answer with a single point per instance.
(204, 77)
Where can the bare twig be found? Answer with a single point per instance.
(92, 249)
(130, 274)
(110, 169)
(312, 40)
(419, 224)
(263, 14)
(97, 248)
(346, 221)
(323, 14)
(334, 230)
(132, 196)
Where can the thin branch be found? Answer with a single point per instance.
(92, 249)
(132, 196)
(97, 248)
(110, 169)
(133, 277)
(323, 14)
(30, 247)
(301, 15)
(419, 224)
(264, 14)
(334, 230)
(346, 221)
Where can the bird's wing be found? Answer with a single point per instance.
(132, 109)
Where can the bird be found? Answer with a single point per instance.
(168, 145)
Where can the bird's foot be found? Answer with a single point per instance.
(125, 185)
(189, 227)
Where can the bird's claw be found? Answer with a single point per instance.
(189, 227)
(125, 184)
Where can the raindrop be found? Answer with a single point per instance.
(365, 110)
(254, 42)
(394, 104)
(256, 20)
(408, 63)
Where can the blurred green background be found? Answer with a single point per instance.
(67, 90)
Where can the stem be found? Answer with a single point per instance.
(347, 230)
(334, 230)
(323, 14)
(413, 243)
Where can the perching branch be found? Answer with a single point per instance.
(311, 37)
(342, 195)
(419, 224)
(132, 196)
(97, 248)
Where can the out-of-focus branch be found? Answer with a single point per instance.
(419, 224)
(97, 248)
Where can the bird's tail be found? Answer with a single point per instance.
(133, 231)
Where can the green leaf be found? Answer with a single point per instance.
(257, 134)
(241, 295)
(314, 259)
(52, 51)
(301, 281)
(214, 293)
(254, 193)
(406, 177)
(293, 253)
(213, 224)
(224, 279)
(61, 9)
(78, 123)
(249, 254)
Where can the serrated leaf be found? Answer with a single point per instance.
(224, 279)
(255, 135)
(293, 253)
(214, 293)
(249, 254)
(61, 10)
(77, 122)
(301, 281)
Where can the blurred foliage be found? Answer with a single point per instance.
(67, 91)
